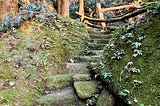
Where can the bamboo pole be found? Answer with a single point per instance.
(100, 14)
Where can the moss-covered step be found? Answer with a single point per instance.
(105, 99)
(94, 46)
(64, 97)
(98, 52)
(76, 68)
(97, 31)
(59, 81)
(87, 58)
(85, 89)
(99, 41)
(100, 36)
(81, 77)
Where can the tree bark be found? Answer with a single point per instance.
(8, 7)
(63, 8)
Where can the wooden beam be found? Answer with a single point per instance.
(117, 8)
(81, 9)
(126, 16)
(100, 14)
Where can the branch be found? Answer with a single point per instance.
(117, 8)
(126, 16)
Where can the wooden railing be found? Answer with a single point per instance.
(99, 12)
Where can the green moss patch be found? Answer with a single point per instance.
(28, 58)
(136, 71)
(59, 81)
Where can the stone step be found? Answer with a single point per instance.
(59, 81)
(98, 52)
(98, 31)
(81, 77)
(74, 68)
(100, 36)
(63, 97)
(99, 41)
(87, 58)
(93, 46)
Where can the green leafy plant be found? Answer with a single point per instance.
(135, 70)
(137, 53)
(124, 93)
(118, 55)
(136, 45)
(107, 76)
(89, 102)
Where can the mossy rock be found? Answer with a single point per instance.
(105, 99)
(85, 89)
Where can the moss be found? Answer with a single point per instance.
(59, 81)
(148, 92)
(85, 89)
(27, 58)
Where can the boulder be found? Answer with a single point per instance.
(85, 89)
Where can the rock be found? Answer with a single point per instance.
(85, 89)
(82, 77)
(105, 99)
(59, 81)
(64, 97)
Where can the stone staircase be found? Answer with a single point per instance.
(76, 85)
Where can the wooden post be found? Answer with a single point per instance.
(100, 14)
(81, 9)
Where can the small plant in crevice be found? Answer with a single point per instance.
(89, 102)
(92, 101)
(107, 76)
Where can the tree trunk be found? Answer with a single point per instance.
(8, 7)
(63, 8)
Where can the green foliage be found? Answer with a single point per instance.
(137, 75)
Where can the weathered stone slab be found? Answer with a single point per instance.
(85, 89)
